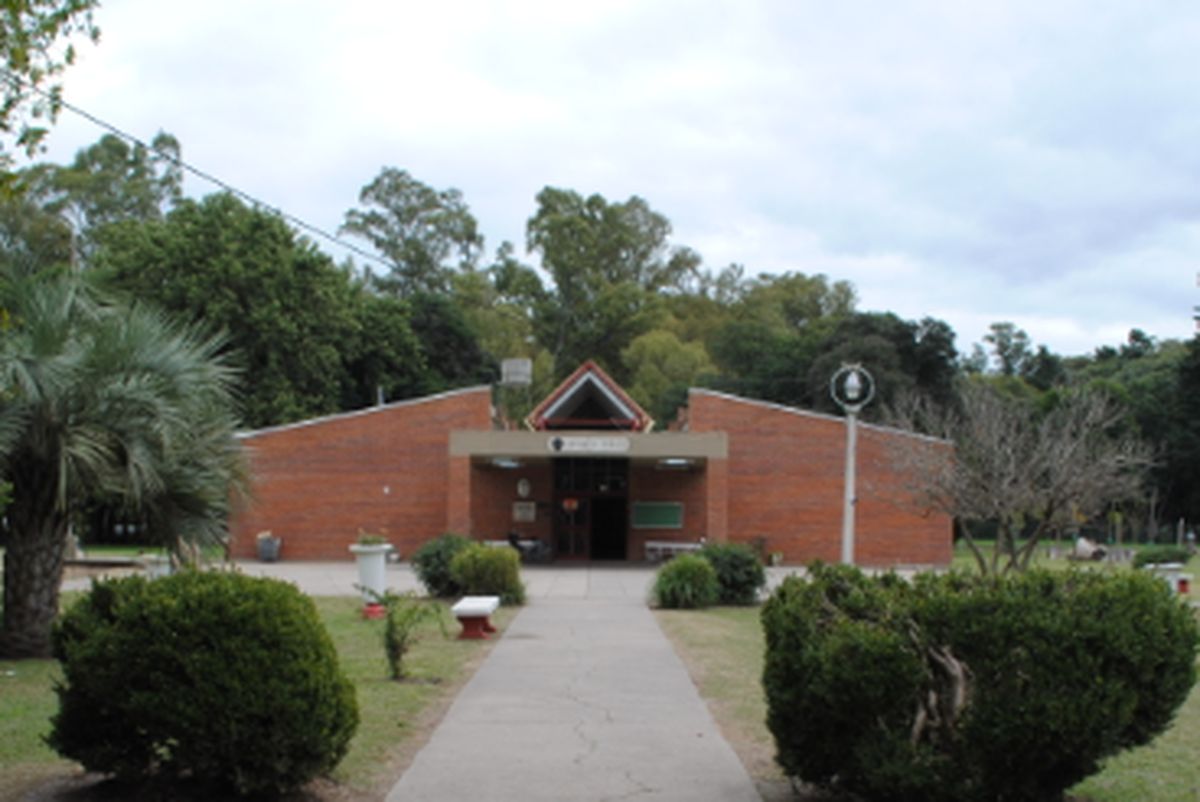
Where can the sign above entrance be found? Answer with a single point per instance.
(588, 445)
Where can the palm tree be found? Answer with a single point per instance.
(99, 401)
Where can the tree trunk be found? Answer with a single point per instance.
(1152, 518)
(965, 531)
(33, 566)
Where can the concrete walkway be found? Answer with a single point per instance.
(582, 699)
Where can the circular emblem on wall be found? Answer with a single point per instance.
(523, 488)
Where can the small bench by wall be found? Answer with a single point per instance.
(659, 550)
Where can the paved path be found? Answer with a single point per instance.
(582, 699)
(541, 581)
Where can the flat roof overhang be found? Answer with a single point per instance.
(492, 445)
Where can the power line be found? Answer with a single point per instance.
(201, 174)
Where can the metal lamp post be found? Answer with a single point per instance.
(852, 387)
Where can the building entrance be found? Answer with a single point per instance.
(591, 503)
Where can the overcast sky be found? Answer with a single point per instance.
(1025, 160)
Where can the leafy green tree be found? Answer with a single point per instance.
(452, 354)
(32, 239)
(695, 318)
(1149, 378)
(289, 311)
(608, 262)
(497, 305)
(758, 360)
(1044, 369)
(515, 283)
(1010, 347)
(32, 38)
(662, 368)
(425, 234)
(102, 401)
(725, 287)
(1181, 476)
(384, 359)
(902, 356)
(1139, 344)
(777, 328)
(795, 301)
(503, 323)
(1017, 366)
(108, 182)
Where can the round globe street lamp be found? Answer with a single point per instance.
(852, 387)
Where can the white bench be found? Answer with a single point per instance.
(659, 550)
(472, 612)
(504, 544)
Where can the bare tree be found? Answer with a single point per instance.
(1023, 470)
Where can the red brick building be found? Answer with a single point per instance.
(587, 476)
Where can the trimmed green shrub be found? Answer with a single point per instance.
(216, 679)
(1161, 554)
(956, 689)
(432, 564)
(687, 582)
(481, 570)
(740, 574)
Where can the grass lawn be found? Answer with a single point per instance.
(723, 650)
(396, 717)
(964, 560)
(207, 553)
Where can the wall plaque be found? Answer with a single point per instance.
(576, 444)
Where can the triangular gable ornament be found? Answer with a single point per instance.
(589, 399)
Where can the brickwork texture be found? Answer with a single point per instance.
(387, 470)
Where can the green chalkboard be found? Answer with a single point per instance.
(657, 515)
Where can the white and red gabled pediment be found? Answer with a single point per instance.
(589, 399)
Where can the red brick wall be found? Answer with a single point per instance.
(388, 470)
(716, 477)
(646, 483)
(785, 480)
(495, 490)
(382, 470)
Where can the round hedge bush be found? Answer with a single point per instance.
(687, 582)
(212, 678)
(1152, 555)
(432, 564)
(956, 689)
(740, 574)
(481, 570)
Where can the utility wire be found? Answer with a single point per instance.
(201, 174)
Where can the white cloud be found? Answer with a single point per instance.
(975, 162)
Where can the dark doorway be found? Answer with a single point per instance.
(608, 528)
(591, 502)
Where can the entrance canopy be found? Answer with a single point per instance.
(672, 448)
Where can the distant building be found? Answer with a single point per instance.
(587, 476)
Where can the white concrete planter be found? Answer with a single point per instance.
(372, 566)
(1173, 575)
